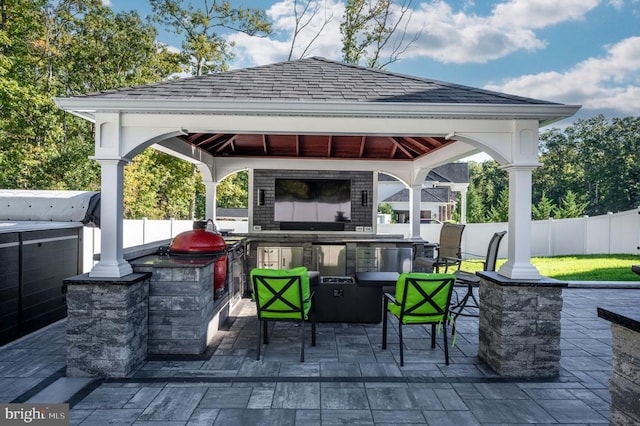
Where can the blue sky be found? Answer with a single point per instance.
(584, 52)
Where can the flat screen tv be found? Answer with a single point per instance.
(312, 200)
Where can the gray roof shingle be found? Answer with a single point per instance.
(314, 79)
(427, 195)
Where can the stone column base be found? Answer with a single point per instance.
(106, 325)
(520, 326)
(624, 384)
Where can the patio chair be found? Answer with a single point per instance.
(448, 250)
(470, 280)
(420, 298)
(283, 295)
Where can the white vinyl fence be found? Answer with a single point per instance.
(614, 233)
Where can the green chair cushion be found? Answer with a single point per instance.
(426, 313)
(277, 278)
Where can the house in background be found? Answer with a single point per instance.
(440, 191)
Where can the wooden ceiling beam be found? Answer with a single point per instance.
(228, 143)
(435, 143)
(401, 148)
(210, 139)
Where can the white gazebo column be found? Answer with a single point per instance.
(519, 266)
(415, 200)
(210, 197)
(463, 205)
(112, 263)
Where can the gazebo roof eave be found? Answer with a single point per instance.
(547, 113)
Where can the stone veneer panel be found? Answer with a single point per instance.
(520, 327)
(106, 325)
(624, 383)
(360, 181)
(180, 307)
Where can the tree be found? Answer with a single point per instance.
(500, 211)
(204, 48)
(570, 207)
(53, 48)
(475, 208)
(158, 186)
(304, 14)
(373, 29)
(543, 209)
(596, 159)
(232, 191)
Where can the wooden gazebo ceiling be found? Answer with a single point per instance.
(316, 146)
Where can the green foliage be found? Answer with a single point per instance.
(156, 186)
(544, 209)
(488, 190)
(205, 50)
(385, 208)
(597, 159)
(475, 208)
(60, 48)
(367, 28)
(499, 212)
(232, 192)
(570, 207)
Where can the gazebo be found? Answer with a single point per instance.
(316, 114)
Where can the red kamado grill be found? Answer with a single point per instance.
(201, 242)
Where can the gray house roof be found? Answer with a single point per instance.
(447, 173)
(314, 79)
(427, 195)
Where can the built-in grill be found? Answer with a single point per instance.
(336, 280)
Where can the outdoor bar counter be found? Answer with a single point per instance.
(624, 384)
(169, 301)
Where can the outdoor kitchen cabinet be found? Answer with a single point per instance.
(280, 257)
(329, 259)
(383, 259)
(35, 260)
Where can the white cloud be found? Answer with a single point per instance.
(610, 82)
(446, 35)
(618, 4)
(261, 50)
(540, 13)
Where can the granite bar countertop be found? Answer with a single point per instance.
(173, 261)
(625, 316)
(328, 238)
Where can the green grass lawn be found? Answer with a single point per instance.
(600, 267)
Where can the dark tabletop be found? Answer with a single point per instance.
(377, 279)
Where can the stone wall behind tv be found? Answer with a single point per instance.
(264, 180)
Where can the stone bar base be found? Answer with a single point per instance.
(181, 303)
(624, 384)
(520, 326)
(106, 325)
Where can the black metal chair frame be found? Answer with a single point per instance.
(410, 310)
(278, 295)
(471, 280)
